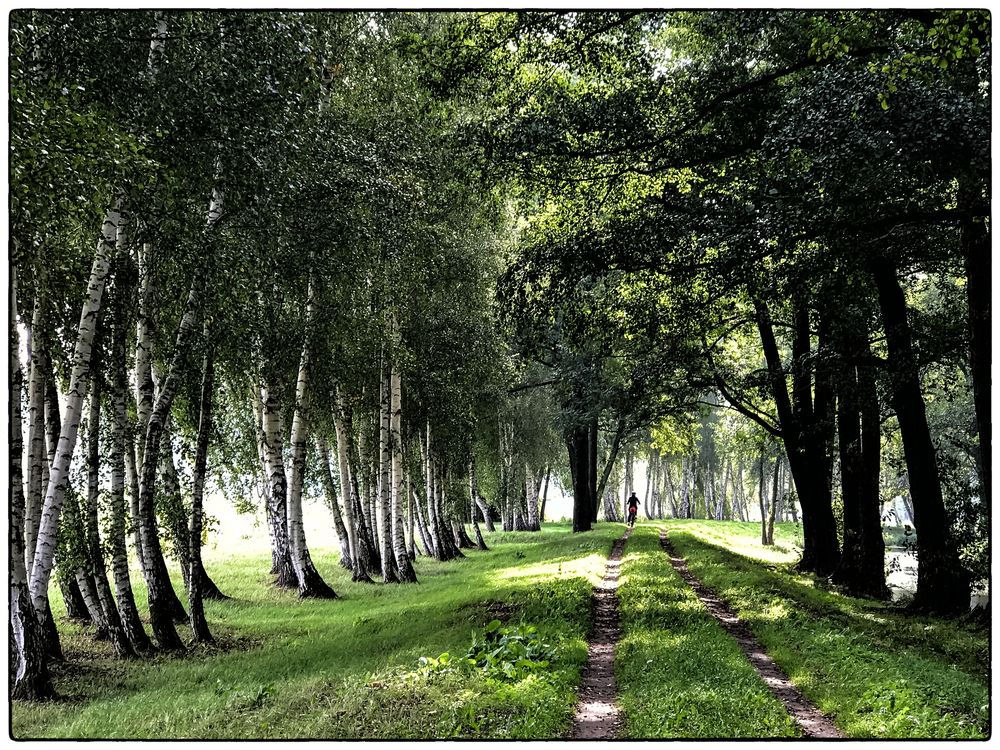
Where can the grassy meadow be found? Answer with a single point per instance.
(351, 668)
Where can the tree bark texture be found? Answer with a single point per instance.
(199, 625)
(44, 557)
(404, 568)
(943, 585)
(29, 675)
(802, 431)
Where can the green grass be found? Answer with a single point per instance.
(346, 668)
(878, 671)
(679, 674)
(349, 668)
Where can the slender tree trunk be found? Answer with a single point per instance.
(132, 477)
(37, 453)
(384, 516)
(53, 429)
(422, 527)
(444, 530)
(265, 481)
(170, 510)
(727, 479)
(763, 502)
(404, 568)
(578, 445)
(144, 384)
(943, 585)
(348, 488)
(310, 583)
(363, 474)
(629, 481)
(97, 570)
(531, 488)
(330, 490)
(744, 510)
(409, 518)
(473, 492)
(774, 501)
(29, 676)
(545, 494)
(44, 557)
(277, 486)
(650, 468)
(119, 449)
(686, 487)
(199, 625)
(593, 434)
(975, 227)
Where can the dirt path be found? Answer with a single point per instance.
(812, 721)
(596, 715)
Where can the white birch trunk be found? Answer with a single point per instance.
(277, 486)
(144, 385)
(293, 507)
(37, 454)
(330, 490)
(263, 477)
(383, 515)
(310, 583)
(404, 567)
(41, 569)
(348, 491)
(30, 678)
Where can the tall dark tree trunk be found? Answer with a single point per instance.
(578, 446)
(805, 443)
(978, 270)
(545, 494)
(592, 437)
(199, 625)
(862, 564)
(943, 586)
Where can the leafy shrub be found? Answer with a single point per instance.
(503, 652)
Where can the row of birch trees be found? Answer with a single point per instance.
(244, 245)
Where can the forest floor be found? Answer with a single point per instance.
(352, 668)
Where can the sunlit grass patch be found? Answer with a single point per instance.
(679, 674)
(330, 669)
(878, 671)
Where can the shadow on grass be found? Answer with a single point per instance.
(889, 623)
(879, 671)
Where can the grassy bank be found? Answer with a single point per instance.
(679, 674)
(877, 671)
(346, 668)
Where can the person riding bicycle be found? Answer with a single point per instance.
(633, 509)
